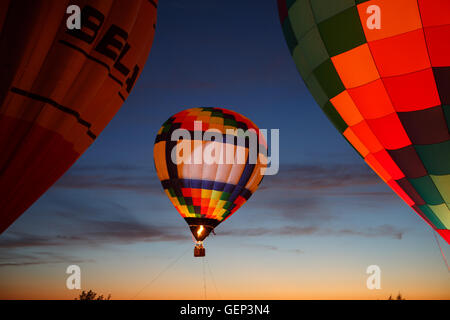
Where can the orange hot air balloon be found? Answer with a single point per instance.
(380, 71)
(207, 179)
(60, 87)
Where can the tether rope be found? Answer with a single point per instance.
(204, 276)
(213, 280)
(442, 252)
(173, 262)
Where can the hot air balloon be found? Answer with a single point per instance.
(60, 86)
(380, 71)
(209, 161)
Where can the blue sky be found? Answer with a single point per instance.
(309, 232)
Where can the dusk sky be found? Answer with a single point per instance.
(309, 232)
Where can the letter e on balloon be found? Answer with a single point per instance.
(374, 280)
(74, 280)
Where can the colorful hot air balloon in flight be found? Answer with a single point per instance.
(60, 87)
(209, 161)
(380, 70)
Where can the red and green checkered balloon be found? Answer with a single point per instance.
(206, 192)
(380, 71)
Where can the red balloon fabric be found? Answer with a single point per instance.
(60, 87)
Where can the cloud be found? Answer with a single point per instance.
(13, 259)
(271, 248)
(321, 192)
(306, 177)
(371, 232)
(262, 231)
(385, 231)
(111, 177)
(320, 177)
(96, 232)
(295, 207)
(296, 251)
(131, 232)
(21, 240)
(296, 194)
(103, 181)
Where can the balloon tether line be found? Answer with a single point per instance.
(204, 277)
(442, 252)
(212, 277)
(173, 262)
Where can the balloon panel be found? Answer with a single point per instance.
(386, 90)
(60, 88)
(208, 188)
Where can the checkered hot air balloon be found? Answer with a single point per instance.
(209, 161)
(380, 70)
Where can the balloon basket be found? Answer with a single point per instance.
(199, 250)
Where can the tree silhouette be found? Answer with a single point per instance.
(399, 297)
(91, 295)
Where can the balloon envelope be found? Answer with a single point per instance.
(380, 70)
(60, 87)
(208, 178)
